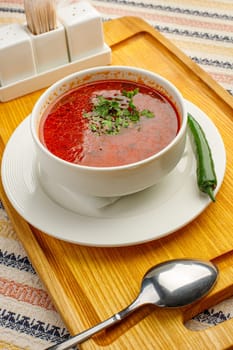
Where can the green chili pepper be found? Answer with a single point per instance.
(206, 176)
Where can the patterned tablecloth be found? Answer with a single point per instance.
(203, 29)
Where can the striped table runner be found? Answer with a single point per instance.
(203, 29)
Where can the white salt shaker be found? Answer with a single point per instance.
(16, 54)
(84, 29)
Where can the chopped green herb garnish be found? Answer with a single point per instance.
(147, 113)
(130, 94)
(109, 114)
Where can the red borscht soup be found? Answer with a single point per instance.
(109, 123)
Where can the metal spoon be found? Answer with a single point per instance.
(173, 283)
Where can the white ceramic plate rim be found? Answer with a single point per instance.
(135, 219)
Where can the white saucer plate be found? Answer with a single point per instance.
(138, 218)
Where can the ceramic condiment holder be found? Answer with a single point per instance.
(30, 62)
(17, 61)
(50, 48)
(83, 29)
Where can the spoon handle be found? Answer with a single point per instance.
(88, 333)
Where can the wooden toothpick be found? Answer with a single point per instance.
(40, 15)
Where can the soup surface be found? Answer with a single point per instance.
(109, 123)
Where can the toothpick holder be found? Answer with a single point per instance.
(50, 49)
(30, 62)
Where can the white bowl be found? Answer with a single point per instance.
(64, 181)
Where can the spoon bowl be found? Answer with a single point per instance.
(173, 283)
(177, 283)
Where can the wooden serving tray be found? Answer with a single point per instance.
(89, 284)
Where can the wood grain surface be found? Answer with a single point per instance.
(90, 284)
